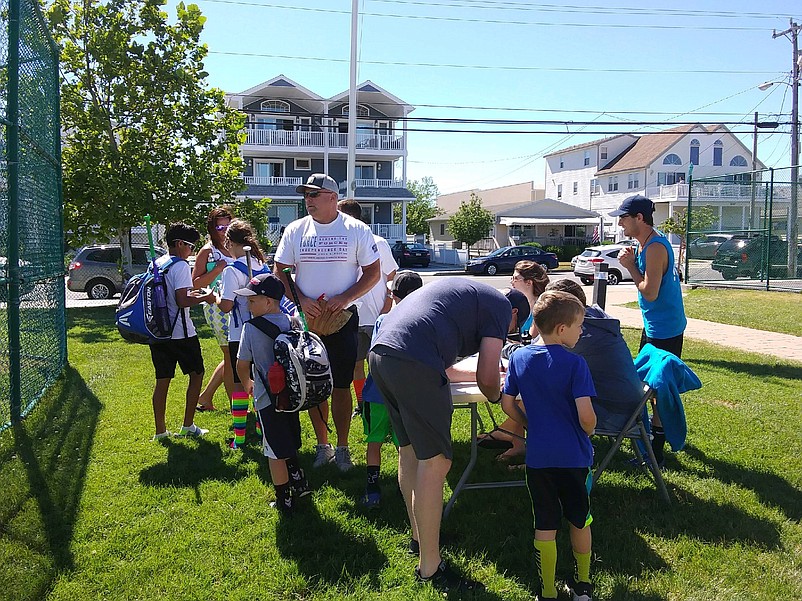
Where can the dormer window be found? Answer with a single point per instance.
(275, 106)
(672, 159)
(361, 110)
(694, 152)
(738, 161)
(603, 153)
(718, 151)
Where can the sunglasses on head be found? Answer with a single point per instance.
(222, 227)
(190, 244)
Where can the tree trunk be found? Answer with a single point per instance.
(126, 260)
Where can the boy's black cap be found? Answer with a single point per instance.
(634, 205)
(405, 282)
(264, 284)
(519, 301)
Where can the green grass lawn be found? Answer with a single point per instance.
(771, 311)
(90, 508)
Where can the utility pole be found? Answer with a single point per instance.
(753, 213)
(350, 185)
(791, 228)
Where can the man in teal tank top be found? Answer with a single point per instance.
(659, 294)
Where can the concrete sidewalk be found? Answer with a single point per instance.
(783, 346)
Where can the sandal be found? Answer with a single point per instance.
(491, 442)
(202, 408)
(506, 456)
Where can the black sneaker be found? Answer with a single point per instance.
(580, 591)
(448, 581)
(287, 508)
(414, 547)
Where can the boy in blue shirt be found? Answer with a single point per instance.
(556, 388)
(281, 432)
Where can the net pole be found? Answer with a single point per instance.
(12, 115)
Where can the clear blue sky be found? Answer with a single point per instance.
(584, 61)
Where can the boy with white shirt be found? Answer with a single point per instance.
(183, 348)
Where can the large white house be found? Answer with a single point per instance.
(598, 175)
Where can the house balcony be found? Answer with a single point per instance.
(389, 231)
(375, 183)
(730, 191)
(279, 138)
(253, 180)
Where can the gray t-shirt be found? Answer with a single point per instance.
(256, 346)
(445, 320)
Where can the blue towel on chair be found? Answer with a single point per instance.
(669, 377)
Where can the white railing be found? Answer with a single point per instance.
(389, 231)
(379, 183)
(367, 141)
(280, 137)
(254, 180)
(717, 190)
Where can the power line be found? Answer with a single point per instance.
(492, 21)
(490, 67)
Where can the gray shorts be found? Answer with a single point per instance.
(418, 400)
(364, 337)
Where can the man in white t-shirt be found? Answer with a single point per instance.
(327, 250)
(183, 348)
(376, 302)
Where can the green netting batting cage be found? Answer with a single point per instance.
(33, 347)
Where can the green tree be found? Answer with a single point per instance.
(471, 222)
(701, 219)
(422, 208)
(143, 133)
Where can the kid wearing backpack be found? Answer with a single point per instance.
(235, 277)
(281, 431)
(183, 348)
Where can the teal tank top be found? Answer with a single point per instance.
(664, 317)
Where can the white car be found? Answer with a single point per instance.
(585, 267)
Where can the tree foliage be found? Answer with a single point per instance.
(143, 133)
(701, 219)
(423, 208)
(471, 222)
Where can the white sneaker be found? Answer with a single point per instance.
(163, 435)
(324, 453)
(192, 430)
(342, 457)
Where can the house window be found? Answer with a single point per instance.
(268, 168)
(361, 110)
(738, 161)
(275, 106)
(442, 229)
(303, 164)
(694, 152)
(576, 187)
(668, 178)
(586, 159)
(367, 212)
(718, 151)
(672, 159)
(559, 190)
(603, 152)
(304, 123)
(594, 186)
(632, 181)
(273, 123)
(562, 162)
(365, 171)
(612, 183)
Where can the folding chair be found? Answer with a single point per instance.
(635, 430)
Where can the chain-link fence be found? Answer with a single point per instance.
(33, 347)
(743, 231)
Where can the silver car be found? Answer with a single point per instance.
(585, 267)
(97, 270)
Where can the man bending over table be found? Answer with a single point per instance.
(418, 341)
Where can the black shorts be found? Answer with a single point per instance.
(341, 347)
(557, 492)
(281, 433)
(418, 401)
(184, 351)
(670, 345)
(233, 349)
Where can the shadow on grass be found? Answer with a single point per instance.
(43, 468)
(92, 324)
(770, 488)
(760, 370)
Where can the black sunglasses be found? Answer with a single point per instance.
(314, 194)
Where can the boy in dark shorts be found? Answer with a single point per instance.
(374, 414)
(556, 388)
(183, 347)
(281, 432)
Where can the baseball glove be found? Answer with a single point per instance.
(329, 322)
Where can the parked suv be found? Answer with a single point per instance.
(744, 255)
(585, 268)
(96, 270)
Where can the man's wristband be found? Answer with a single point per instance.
(498, 400)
